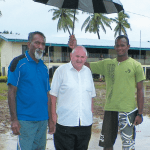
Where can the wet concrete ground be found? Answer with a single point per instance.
(9, 142)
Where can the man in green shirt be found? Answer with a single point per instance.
(122, 74)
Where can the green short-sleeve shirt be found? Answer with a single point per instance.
(121, 79)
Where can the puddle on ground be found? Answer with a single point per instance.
(143, 135)
(9, 142)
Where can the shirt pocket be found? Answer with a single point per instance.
(66, 86)
(88, 85)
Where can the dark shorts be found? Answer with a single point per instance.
(72, 138)
(109, 129)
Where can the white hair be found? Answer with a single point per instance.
(83, 49)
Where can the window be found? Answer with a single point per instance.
(136, 54)
(97, 52)
(66, 54)
(24, 48)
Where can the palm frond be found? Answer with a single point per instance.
(121, 23)
(64, 17)
(85, 22)
(95, 22)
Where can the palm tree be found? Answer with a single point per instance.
(0, 13)
(96, 21)
(122, 23)
(64, 17)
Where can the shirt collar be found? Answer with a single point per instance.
(122, 61)
(71, 66)
(29, 57)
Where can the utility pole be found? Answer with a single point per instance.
(140, 47)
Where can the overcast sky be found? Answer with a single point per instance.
(24, 16)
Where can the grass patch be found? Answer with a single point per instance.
(99, 102)
(100, 85)
(3, 79)
(3, 91)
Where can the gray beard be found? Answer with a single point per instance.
(37, 55)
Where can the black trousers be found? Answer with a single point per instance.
(72, 138)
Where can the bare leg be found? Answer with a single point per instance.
(108, 148)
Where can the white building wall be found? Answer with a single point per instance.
(9, 50)
(17, 49)
(6, 54)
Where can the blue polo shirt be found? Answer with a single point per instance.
(32, 82)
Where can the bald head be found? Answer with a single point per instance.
(80, 48)
(78, 57)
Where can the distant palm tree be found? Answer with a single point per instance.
(64, 17)
(0, 13)
(122, 23)
(96, 21)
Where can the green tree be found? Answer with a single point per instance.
(122, 23)
(95, 22)
(5, 32)
(64, 17)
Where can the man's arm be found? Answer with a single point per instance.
(92, 109)
(87, 64)
(51, 124)
(72, 43)
(140, 102)
(53, 108)
(15, 126)
(52, 114)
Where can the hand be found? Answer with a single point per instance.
(52, 127)
(72, 43)
(15, 126)
(138, 120)
(52, 123)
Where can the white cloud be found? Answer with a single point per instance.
(24, 16)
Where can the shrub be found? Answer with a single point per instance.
(3, 78)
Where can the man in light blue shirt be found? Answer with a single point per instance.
(72, 89)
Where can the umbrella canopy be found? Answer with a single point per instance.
(91, 6)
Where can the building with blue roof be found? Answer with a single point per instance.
(57, 51)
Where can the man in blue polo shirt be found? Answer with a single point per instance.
(28, 95)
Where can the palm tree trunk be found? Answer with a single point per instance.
(74, 21)
(68, 30)
(98, 34)
(119, 29)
